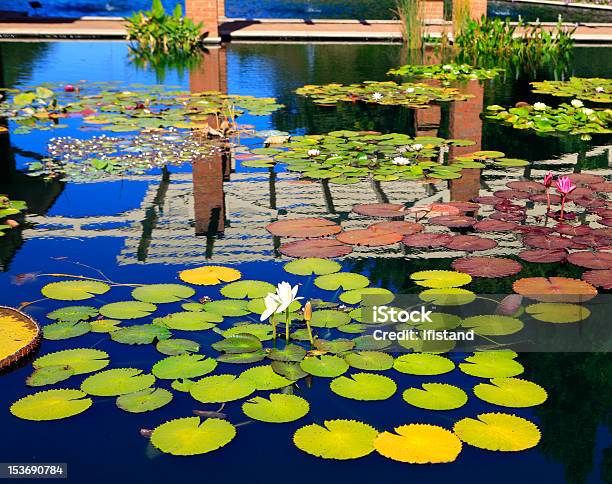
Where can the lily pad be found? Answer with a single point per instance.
(382, 210)
(369, 360)
(427, 240)
(591, 260)
(423, 364)
(312, 265)
(65, 330)
(141, 334)
(73, 313)
(265, 378)
(189, 320)
(356, 296)
(543, 256)
(209, 275)
(81, 360)
(51, 405)
(315, 248)
(290, 353)
(329, 318)
(338, 439)
(599, 278)
(74, 290)
(49, 375)
(369, 237)
(555, 289)
(104, 325)
(399, 226)
(511, 392)
(162, 293)
(145, 400)
(436, 396)
(471, 243)
(228, 307)
(493, 324)
(303, 228)
(118, 381)
(328, 366)
(498, 431)
(491, 267)
(247, 289)
(448, 296)
(221, 388)
(364, 386)
(177, 346)
(344, 280)
(558, 312)
(238, 343)
(127, 310)
(183, 366)
(440, 279)
(491, 367)
(277, 408)
(191, 436)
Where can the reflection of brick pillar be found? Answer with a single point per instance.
(211, 74)
(207, 12)
(428, 120)
(208, 196)
(465, 123)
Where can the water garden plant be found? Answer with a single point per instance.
(445, 72)
(567, 118)
(8, 209)
(596, 90)
(411, 15)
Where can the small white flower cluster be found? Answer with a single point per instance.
(540, 107)
(313, 152)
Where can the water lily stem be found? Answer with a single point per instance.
(273, 323)
(287, 323)
(562, 208)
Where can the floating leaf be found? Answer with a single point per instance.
(599, 278)
(289, 353)
(182, 385)
(555, 289)
(51, 405)
(81, 360)
(498, 431)
(238, 343)
(369, 360)
(65, 330)
(242, 358)
(265, 378)
(344, 280)
(491, 367)
(247, 289)
(74, 290)
(277, 408)
(487, 266)
(328, 366)
(398, 226)
(162, 293)
(419, 444)
(49, 375)
(144, 400)
(369, 237)
(73, 313)
(423, 364)
(436, 396)
(591, 260)
(340, 345)
(189, 320)
(127, 310)
(329, 318)
(367, 342)
(440, 279)
(471, 243)
(558, 312)
(493, 324)
(312, 265)
(183, 366)
(511, 392)
(175, 346)
(261, 331)
(448, 296)
(191, 436)
(303, 228)
(364, 386)
(543, 256)
(19, 335)
(315, 248)
(117, 381)
(292, 371)
(454, 221)
(384, 210)
(141, 334)
(381, 295)
(339, 439)
(228, 307)
(104, 325)
(209, 275)
(221, 388)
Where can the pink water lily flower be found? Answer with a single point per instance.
(548, 179)
(564, 185)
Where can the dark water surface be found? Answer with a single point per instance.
(118, 227)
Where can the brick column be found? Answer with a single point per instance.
(208, 195)
(207, 12)
(211, 74)
(478, 8)
(465, 123)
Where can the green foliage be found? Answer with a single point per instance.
(364, 386)
(339, 439)
(74, 290)
(51, 405)
(593, 89)
(155, 32)
(191, 436)
(445, 72)
(7, 208)
(278, 408)
(144, 400)
(118, 381)
(183, 366)
(81, 360)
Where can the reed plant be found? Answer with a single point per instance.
(411, 15)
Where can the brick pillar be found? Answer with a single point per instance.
(465, 123)
(208, 195)
(478, 8)
(433, 9)
(207, 12)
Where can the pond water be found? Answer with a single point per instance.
(145, 229)
(360, 9)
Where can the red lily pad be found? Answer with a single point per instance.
(325, 248)
(495, 226)
(543, 256)
(471, 243)
(384, 210)
(589, 202)
(399, 226)
(580, 192)
(602, 212)
(506, 206)
(606, 221)
(599, 278)
(487, 200)
(567, 229)
(548, 241)
(427, 240)
(508, 216)
(585, 179)
(602, 232)
(465, 206)
(435, 209)
(535, 229)
(487, 266)
(601, 187)
(309, 227)
(591, 260)
(592, 240)
(369, 237)
(555, 289)
(526, 186)
(541, 198)
(454, 221)
(511, 194)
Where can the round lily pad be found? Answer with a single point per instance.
(117, 381)
(239, 343)
(599, 278)
(369, 237)
(265, 378)
(74, 290)
(303, 228)
(328, 366)
(127, 310)
(189, 320)
(162, 293)
(447, 296)
(49, 375)
(423, 364)
(209, 275)
(436, 396)
(65, 330)
(401, 227)
(511, 392)
(558, 312)
(312, 265)
(498, 431)
(221, 388)
(329, 318)
(369, 360)
(493, 324)
(183, 366)
(338, 439)
(290, 352)
(491, 367)
(247, 289)
(73, 313)
(364, 386)
(471, 243)
(327, 248)
(440, 279)
(591, 260)
(543, 256)
(383, 210)
(356, 296)
(81, 360)
(51, 405)
(140, 334)
(144, 400)
(177, 346)
(344, 280)
(555, 289)
(191, 436)
(454, 221)
(491, 267)
(228, 307)
(104, 325)
(277, 408)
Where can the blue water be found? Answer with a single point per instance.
(103, 444)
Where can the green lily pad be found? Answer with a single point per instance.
(247, 289)
(263, 332)
(364, 386)
(423, 364)
(277, 408)
(189, 320)
(174, 346)
(238, 343)
(49, 375)
(436, 396)
(242, 358)
(289, 353)
(493, 325)
(81, 360)
(344, 280)
(491, 367)
(73, 313)
(369, 360)
(265, 378)
(340, 345)
(162, 293)
(329, 318)
(51, 405)
(183, 366)
(74, 290)
(65, 330)
(144, 400)
(141, 334)
(339, 439)
(182, 385)
(221, 388)
(191, 436)
(127, 310)
(228, 307)
(312, 265)
(292, 371)
(511, 392)
(118, 381)
(380, 295)
(104, 325)
(328, 366)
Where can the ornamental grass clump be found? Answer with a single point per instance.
(410, 13)
(154, 32)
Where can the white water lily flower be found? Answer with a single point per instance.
(540, 106)
(377, 96)
(272, 304)
(285, 294)
(599, 89)
(410, 90)
(577, 103)
(400, 160)
(417, 146)
(314, 152)
(446, 67)
(588, 111)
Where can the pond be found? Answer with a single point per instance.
(144, 228)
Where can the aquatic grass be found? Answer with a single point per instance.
(411, 15)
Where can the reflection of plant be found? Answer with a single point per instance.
(7, 208)
(564, 186)
(498, 43)
(461, 16)
(155, 32)
(410, 13)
